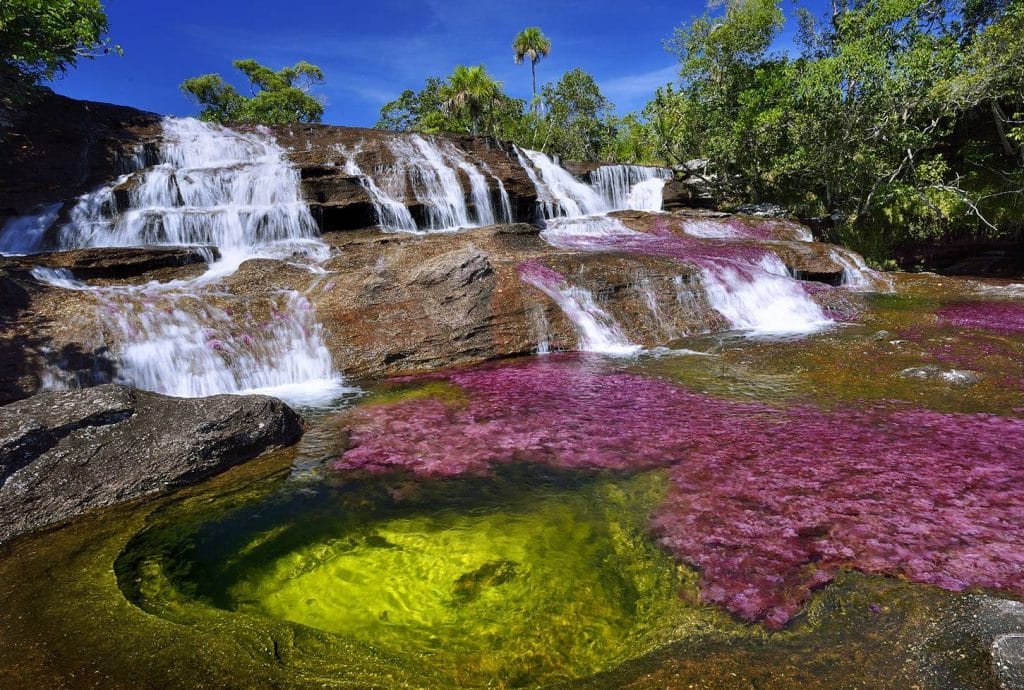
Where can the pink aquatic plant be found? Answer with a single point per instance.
(1004, 317)
(767, 503)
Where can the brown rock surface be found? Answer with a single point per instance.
(66, 452)
(136, 264)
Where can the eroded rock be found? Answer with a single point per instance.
(66, 452)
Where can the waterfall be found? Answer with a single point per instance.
(179, 345)
(750, 287)
(558, 192)
(857, 275)
(431, 170)
(597, 330)
(25, 234)
(761, 298)
(392, 214)
(211, 186)
(630, 186)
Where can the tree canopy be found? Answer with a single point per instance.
(899, 119)
(278, 98)
(577, 120)
(40, 39)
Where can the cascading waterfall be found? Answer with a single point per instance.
(751, 288)
(857, 275)
(634, 187)
(597, 330)
(558, 192)
(392, 214)
(761, 298)
(283, 356)
(25, 234)
(431, 171)
(215, 187)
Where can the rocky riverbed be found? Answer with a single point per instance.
(564, 425)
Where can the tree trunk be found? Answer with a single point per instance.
(533, 69)
(1000, 119)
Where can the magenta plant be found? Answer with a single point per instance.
(767, 503)
(1004, 317)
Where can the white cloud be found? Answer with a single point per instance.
(638, 87)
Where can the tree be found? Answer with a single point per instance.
(41, 39)
(414, 111)
(532, 43)
(278, 98)
(472, 95)
(578, 122)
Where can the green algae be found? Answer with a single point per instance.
(503, 580)
(390, 393)
(150, 595)
(899, 351)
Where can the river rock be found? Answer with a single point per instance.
(62, 453)
(122, 263)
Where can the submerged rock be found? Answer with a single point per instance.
(67, 452)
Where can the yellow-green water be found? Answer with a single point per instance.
(559, 584)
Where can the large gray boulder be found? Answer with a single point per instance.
(65, 452)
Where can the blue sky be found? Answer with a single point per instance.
(371, 50)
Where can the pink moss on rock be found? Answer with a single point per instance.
(768, 503)
(1004, 317)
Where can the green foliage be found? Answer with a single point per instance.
(471, 96)
(41, 39)
(575, 122)
(900, 116)
(578, 122)
(278, 98)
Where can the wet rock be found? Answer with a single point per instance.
(688, 192)
(400, 304)
(63, 453)
(491, 574)
(340, 203)
(958, 377)
(984, 628)
(58, 148)
(763, 210)
(122, 263)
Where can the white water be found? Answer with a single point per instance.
(25, 234)
(431, 171)
(710, 229)
(176, 344)
(598, 331)
(630, 186)
(392, 214)
(237, 192)
(857, 275)
(214, 186)
(558, 192)
(762, 299)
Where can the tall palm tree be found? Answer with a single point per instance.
(532, 43)
(471, 90)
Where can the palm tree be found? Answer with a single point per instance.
(531, 42)
(473, 91)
